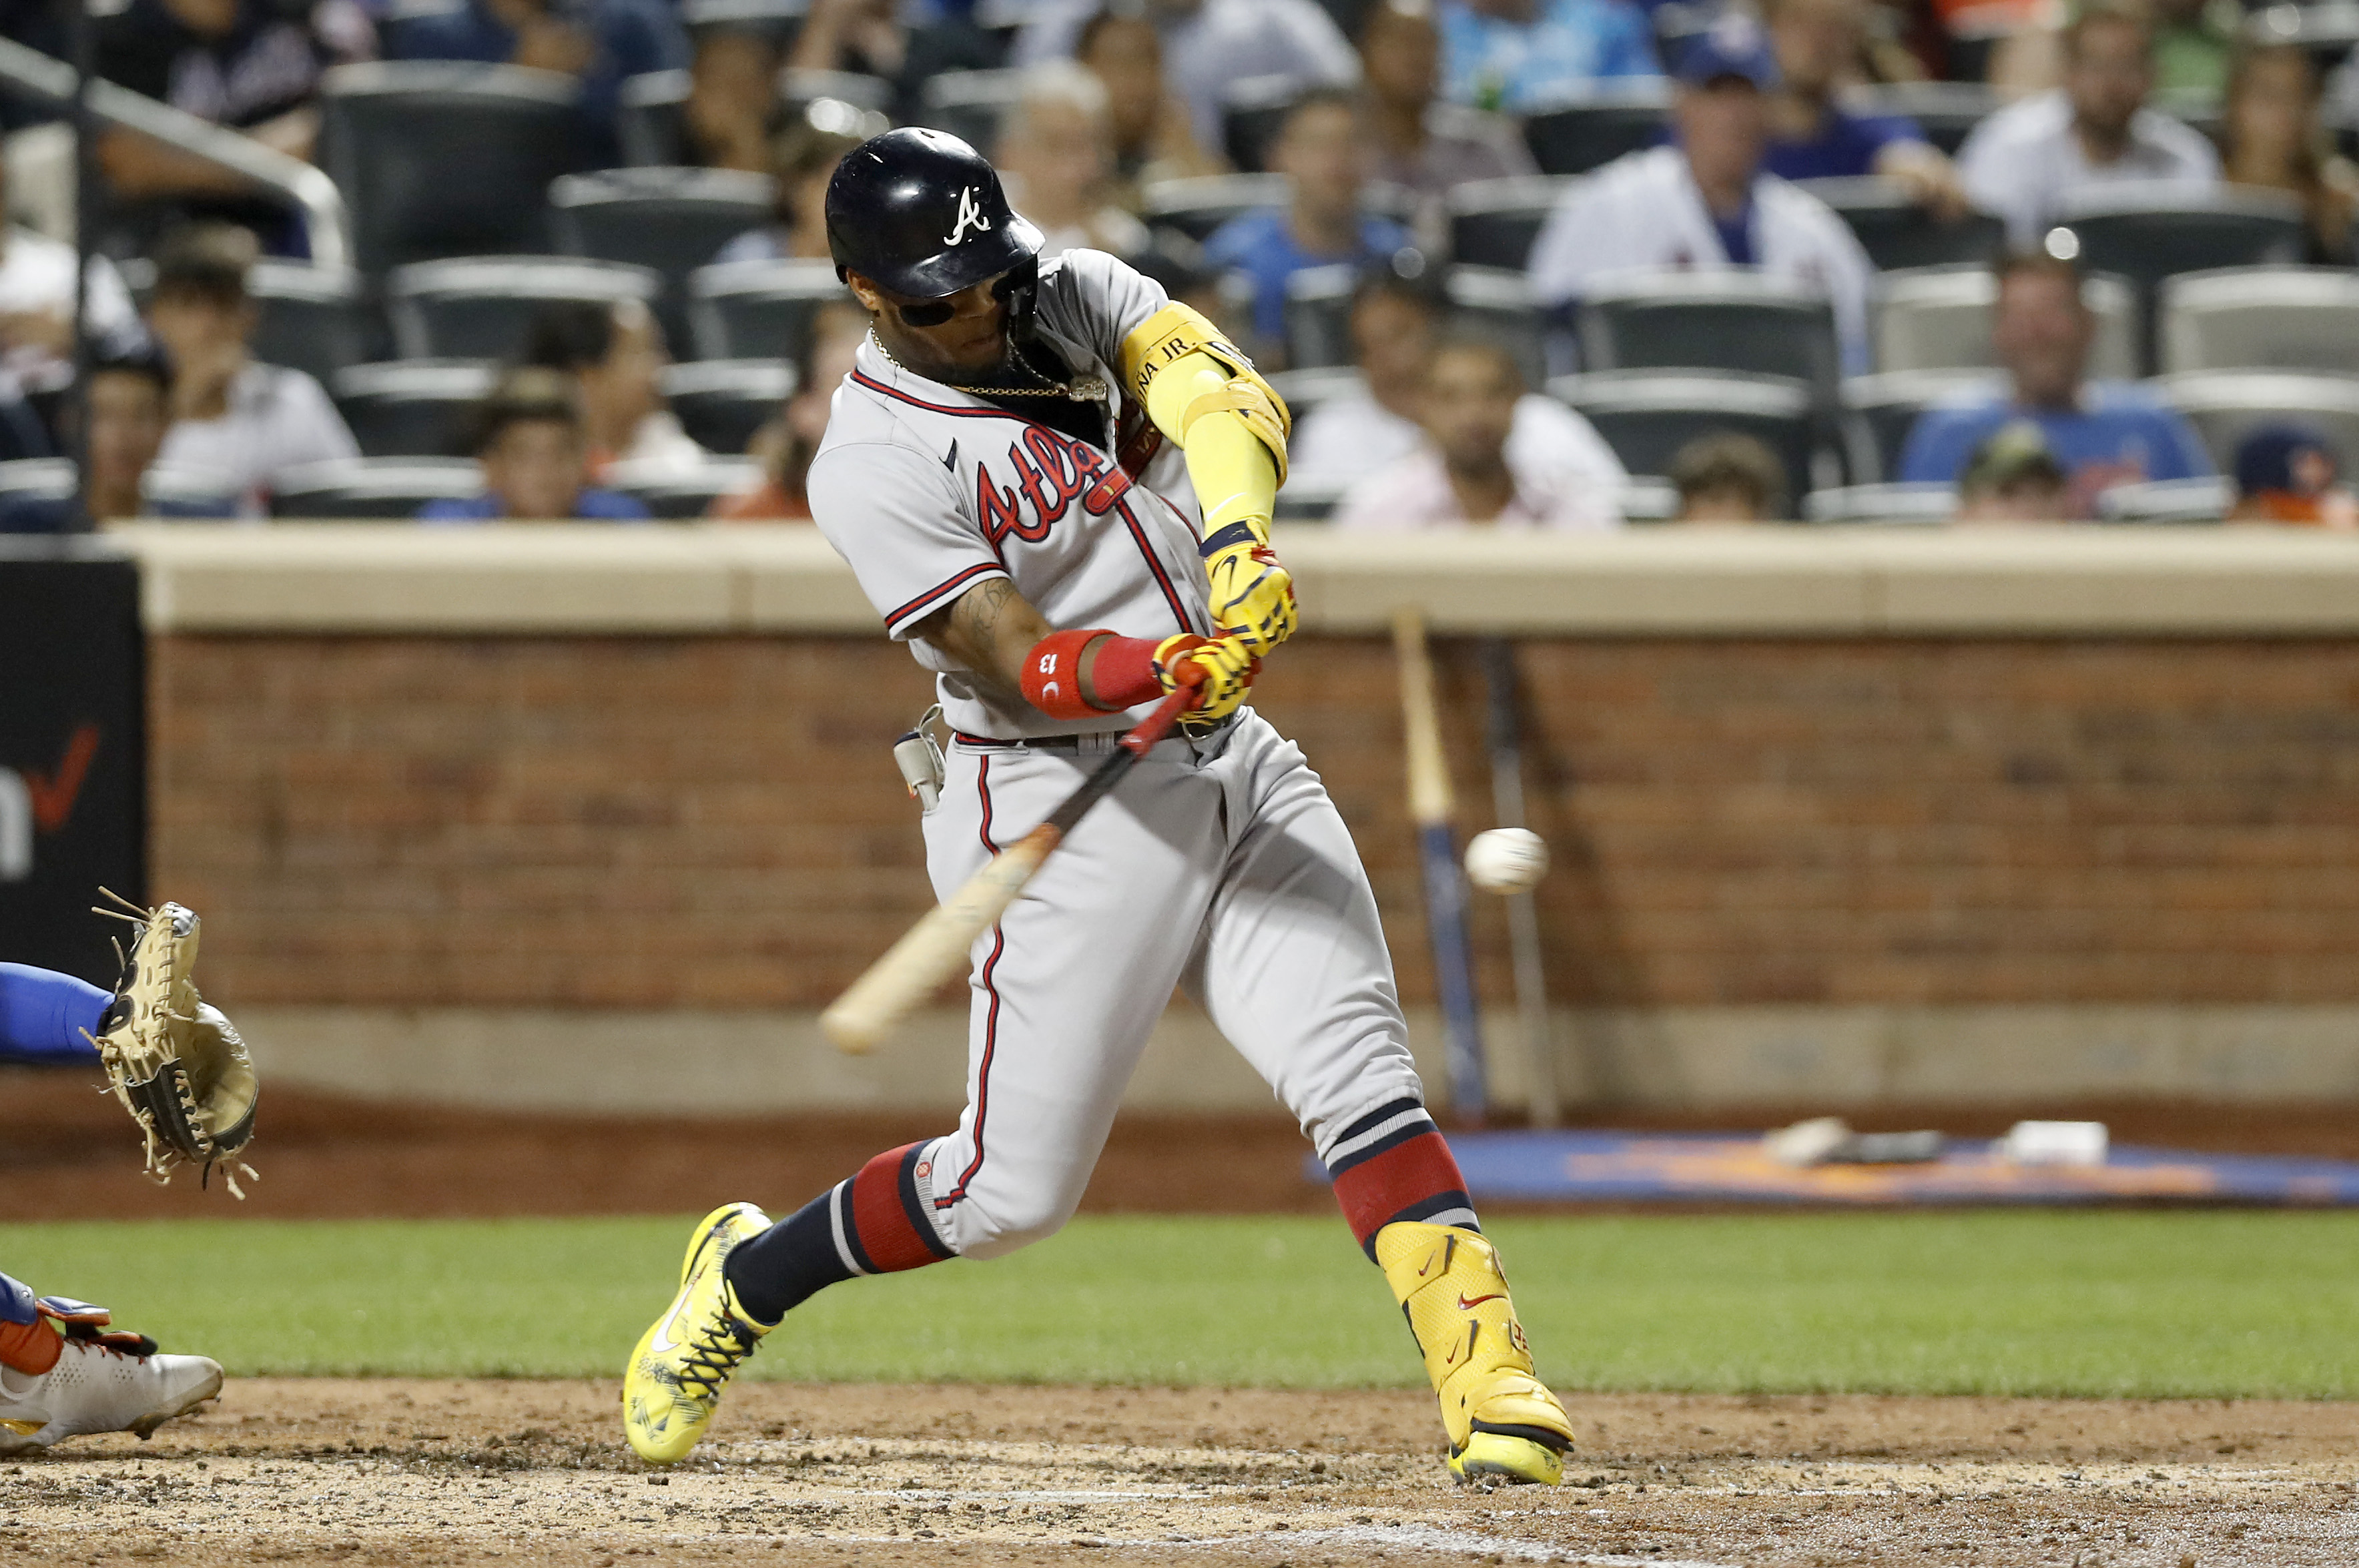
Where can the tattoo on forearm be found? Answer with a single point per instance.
(977, 614)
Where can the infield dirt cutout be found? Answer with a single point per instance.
(391, 1471)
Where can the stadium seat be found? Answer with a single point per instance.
(1880, 410)
(1496, 303)
(2167, 501)
(440, 157)
(1944, 111)
(1646, 416)
(411, 407)
(1650, 500)
(1319, 315)
(483, 307)
(1492, 222)
(1304, 390)
(1253, 110)
(1309, 501)
(722, 402)
(1709, 321)
(1939, 318)
(673, 220)
(372, 489)
(758, 310)
(2327, 32)
(969, 104)
(1596, 124)
(873, 94)
(676, 494)
(2261, 318)
(37, 495)
(1201, 203)
(2223, 405)
(2149, 233)
(1915, 504)
(312, 319)
(1897, 231)
(651, 119)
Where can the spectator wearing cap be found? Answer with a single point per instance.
(1462, 474)
(1207, 45)
(803, 156)
(1056, 152)
(1394, 323)
(1154, 134)
(2094, 131)
(236, 421)
(1728, 477)
(1423, 144)
(2289, 474)
(1815, 134)
(2012, 477)
(1322, 149)
(884, 39)
(36, 308)
(1518, 55)
(530, 440)
(1706, 204)
(2102, 434)
(596, 42)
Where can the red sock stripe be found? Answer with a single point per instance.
(892, 1235)
(1406, 1176)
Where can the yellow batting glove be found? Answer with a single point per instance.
(1252, 594)
(1224, 667)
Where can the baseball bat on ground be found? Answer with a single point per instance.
(1522, 914)
(936, 947)
(1445, 885)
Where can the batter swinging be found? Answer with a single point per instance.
(971, 476)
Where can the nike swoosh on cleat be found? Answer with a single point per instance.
(664, 1343)
(1466, 1306)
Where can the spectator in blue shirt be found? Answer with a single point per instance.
(1813, 134)
(599, 42)
(2101, 433)
(1515, 56)
(536, 458)
(1325, 149)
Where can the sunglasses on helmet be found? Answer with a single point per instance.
(935, 313)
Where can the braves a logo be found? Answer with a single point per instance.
(970, 217)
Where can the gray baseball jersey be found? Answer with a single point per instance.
(929, 491)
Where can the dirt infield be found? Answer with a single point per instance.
(443, 1473)
(65, 1149)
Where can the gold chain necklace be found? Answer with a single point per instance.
(1084, 388)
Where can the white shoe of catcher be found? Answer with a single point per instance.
(98, 1387)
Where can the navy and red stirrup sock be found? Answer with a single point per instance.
(874, 1223)
(1392, 1164)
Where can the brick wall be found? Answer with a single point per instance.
(716, 822)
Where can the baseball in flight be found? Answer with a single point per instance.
(1506, 860)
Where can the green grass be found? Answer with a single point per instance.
(2012, 1302)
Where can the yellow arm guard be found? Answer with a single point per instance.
(1205, 395)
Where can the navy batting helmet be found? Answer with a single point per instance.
(922, 215)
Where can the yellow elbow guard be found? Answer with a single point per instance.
(1222, 380)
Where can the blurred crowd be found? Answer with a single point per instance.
(1375, 117)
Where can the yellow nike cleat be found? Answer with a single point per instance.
(1501, 1419)
(675, 1378)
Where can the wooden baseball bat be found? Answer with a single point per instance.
(1523, 913)
(1429, 806)
(936, 947)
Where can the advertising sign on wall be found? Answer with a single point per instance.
(73, 815)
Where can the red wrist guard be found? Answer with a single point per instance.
(1123, 675)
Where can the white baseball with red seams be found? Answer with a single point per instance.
(1219, 866)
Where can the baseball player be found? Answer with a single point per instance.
(1055, 485)
(62, 1373)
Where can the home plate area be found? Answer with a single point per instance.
(415, 1472)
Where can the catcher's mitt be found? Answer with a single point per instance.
(176, 1063)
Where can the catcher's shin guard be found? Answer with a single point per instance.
(1501, 1419)
(674, 1381)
